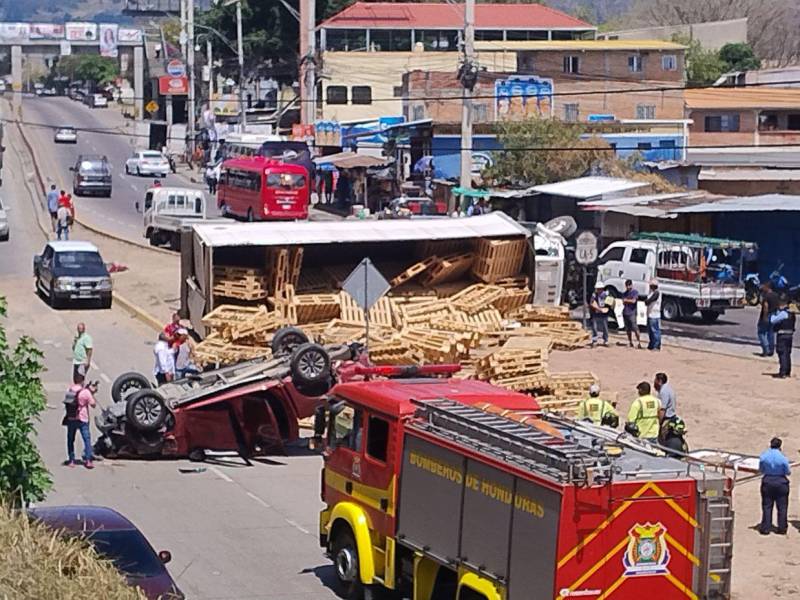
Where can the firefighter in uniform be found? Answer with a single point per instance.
(597, 410)
(643, 419)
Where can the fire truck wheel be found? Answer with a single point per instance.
(310, 365)
(146, 410)
(127, 384)
(345, 560)
(286, 339)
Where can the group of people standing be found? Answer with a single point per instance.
(62, 212)
(601, 305)
(776, 325)
(80, 398)
(174, 353)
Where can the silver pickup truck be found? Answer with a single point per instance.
(169, 211)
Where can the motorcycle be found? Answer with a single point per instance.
(752, 287)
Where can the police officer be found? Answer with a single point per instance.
(597, 410)
(643, 419)
(783, 324)
(774, 468)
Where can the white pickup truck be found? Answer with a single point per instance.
(169, 211)
(694, 273)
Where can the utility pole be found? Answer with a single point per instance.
(190, 68)
(468, 75)
(184, 38)
(242, 111)
(308, 44)
(210, 63)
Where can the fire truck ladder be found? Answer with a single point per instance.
(515, 443)
(717, 537)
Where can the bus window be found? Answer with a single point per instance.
(286, 181)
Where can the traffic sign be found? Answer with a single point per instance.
(366, 284)
(176, 68)
(586, 248)
(151, 106)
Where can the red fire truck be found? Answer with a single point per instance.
(440, 488)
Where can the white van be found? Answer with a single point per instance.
(690, 271)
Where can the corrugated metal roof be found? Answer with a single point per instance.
(429, 15)
(764, 203)
(589, 187)
(749, 175)
(578, 45)
(630, 200)
(634, 210)
(305, 233)
(752, 97)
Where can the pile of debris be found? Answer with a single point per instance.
(434, 313)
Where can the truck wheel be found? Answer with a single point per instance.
(175, 242)
(310, 365)
(709, 316)
(670, 309)
(146, 410)
(286, 339)
(197, 455)
(345, 561)
(54, 302)
(127, 384)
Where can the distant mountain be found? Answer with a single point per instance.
(601, 11)
(58, 11)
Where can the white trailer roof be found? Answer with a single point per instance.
(304, 233)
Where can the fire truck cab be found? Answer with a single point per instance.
(445, 488)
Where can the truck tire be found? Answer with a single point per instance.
(320, 388)
(127, 384)
(175, 242)
(286, 339)
(309, 366)
(346, 566)
(709, 316)
(146, 410)
(670, 309)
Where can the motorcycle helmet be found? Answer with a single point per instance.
(610, 420)
(632, 428)
(676, 426)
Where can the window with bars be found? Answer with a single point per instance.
(635, 63)
(645, 111)
(669, 62)
(361, 94)
(571, 112)
(336, 94)
(571, 64)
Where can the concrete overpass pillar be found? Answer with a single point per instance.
(16, 76)
(138, 82)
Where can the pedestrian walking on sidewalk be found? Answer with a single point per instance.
(164, 369)
(643, 415)
(653, 303)
(63, 219)
(629, 299)
(783, 323)
(766, 335)
(599, 309)
(774, 468)
(52, 206)
(82, 350)
(211, 180)
(77, 402)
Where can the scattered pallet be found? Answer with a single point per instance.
(239, 283)
(413, 271)
(448, 268)
(316, 308)
(498, 259)
(476, 298)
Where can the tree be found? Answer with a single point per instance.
(543, 150)
(89, 67)
(739, 57)
(23, 476)
(703, 67)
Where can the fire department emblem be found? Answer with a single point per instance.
(647, 552)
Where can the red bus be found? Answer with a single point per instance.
(263, 189)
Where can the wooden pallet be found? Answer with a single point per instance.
(216, 351)
(442, 248)
(413, 271)
(315, 308)
(295, 265)
(284, 302)
(277, 269)
(515, 282)
(448, 268)
(476, 298)
(261, 322)
(424, 312)
(534, 313)
(498, 259)
(511, 300)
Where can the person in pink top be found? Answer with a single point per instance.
(78, 401)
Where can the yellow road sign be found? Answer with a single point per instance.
(152, 106)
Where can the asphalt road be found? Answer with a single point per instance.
(235, 532)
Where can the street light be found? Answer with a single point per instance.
(242, 112)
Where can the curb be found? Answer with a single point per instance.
(138, 312)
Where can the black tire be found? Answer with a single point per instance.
(197, 455)
(315, 390)
(286, 339)
(128, 384)
(310, 365)
(52, 300)
(146, 410)
(709, 316)
(106, 304)
(346, 565)
(175, 242)
(670, 309)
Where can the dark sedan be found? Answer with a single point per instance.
(114, 537)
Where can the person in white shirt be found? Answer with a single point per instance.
(653, 303)
(62, 222)
(164, 369)
(184, 354)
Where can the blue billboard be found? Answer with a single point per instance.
(523, 97)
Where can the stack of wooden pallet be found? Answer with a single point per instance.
(497, 259)
(240, 283)
(520, 364)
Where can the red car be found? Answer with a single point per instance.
(252, 408)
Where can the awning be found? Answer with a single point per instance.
(589, 187)
(304, 233)
(351, 160)
(765, 203)
(609, 203)
(470, 193)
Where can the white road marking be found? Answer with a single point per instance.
(259, 500)
(105, 377)
(296, 526)
(220, 474)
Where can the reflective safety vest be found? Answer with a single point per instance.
(644, 414)
(595, 409)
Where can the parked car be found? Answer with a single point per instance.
(96, 101)
(92, 174)
(4, 227)
(72, 271)
(251, 408)
(2, 86)
(115, 538)
(66, 135)
(147, 162)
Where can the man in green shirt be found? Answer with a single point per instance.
(82, 347)
(643, 414)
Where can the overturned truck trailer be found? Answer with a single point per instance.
(330, 249)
